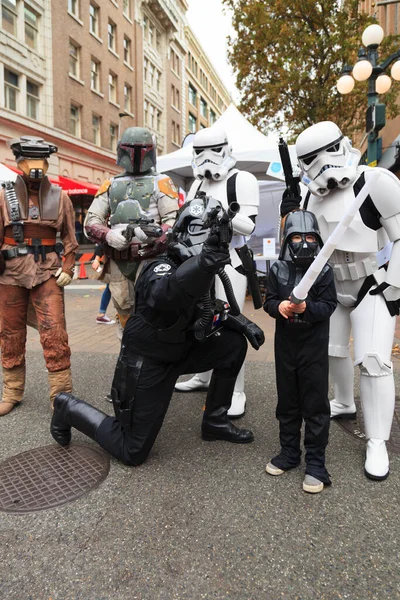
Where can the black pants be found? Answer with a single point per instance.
(131, 444)
(302, 382)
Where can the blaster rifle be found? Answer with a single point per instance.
(221, 225)
(146, 225)
(292, 182)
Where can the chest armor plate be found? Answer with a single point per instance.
(123, 191)
(216, 189)
(329, 210)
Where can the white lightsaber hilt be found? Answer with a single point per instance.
(301, 290)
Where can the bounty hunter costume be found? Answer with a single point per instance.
(174, 328)
(115, 204)
(32, 212)
(367, 295)
(213, 167)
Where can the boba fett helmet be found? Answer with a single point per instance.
(136, 151)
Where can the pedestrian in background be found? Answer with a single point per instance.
(97, 266)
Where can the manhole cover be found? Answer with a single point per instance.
(50, 476)
(356, 426)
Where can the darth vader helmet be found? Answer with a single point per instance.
(301, 238)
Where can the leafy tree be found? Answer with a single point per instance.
(288, 56)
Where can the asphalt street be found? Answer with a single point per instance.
(198, 519)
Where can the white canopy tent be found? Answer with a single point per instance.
(7, 174)
(254, 152)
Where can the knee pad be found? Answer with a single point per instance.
(372, 365)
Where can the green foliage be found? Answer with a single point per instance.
(288, 56)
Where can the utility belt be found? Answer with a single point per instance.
(353, 271)
(130, 253)
(36, 247)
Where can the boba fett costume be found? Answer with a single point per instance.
(116, 205)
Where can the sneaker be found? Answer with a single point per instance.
(273, 470)
(104, 320)
(312, 485)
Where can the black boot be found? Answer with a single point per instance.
(69, 412)
(216, 425)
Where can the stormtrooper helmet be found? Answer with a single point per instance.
(326, 157)
(301, 238)
(212, 154)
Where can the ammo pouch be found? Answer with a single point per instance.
(123, 389)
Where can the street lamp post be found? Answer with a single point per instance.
(368, 68)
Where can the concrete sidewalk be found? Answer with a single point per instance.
(199, 520)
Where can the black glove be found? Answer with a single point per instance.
(289, 203)
(392, 305)
(213, 256)
(254, 334)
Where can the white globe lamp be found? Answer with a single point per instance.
(372, 35)
(345, 84)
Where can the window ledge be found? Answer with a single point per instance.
(97, 92)
(113, 52)
(75, 78)
(128, 66)
(115, 104)
(176, 109)
(77, 19)
(115, 3)
(128, 18)
(96, 37)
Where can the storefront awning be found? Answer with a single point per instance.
(71, 186)
(74, 187)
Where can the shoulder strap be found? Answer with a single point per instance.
(231, 188)
(12, 201)
(307, 198)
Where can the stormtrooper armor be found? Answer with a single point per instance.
(213, 166)
(366, 294)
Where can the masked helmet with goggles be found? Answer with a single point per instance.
(326, 158)
(136, 151)
(212, 154)
(301, 238)
(31, 154)
(191, 227)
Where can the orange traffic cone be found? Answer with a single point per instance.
(82, 271)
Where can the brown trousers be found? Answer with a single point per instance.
(47, 300)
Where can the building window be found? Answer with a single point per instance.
(11, 89)
(203, 108)
(175, 97)
(95, 75)
(31, 28)
(127, 51)
(9, 16)
(213, 93)
(94, 19)
(213, 117)
(32, 100)
(112, 88)
(176, 133)
(96, 123)
(146, 112)
(157, 76)
(113, 137)
(175, 62)
(192, 95)
(75, 120)
(145, 69)
(127, 98)
(151, 34)
(151, 116)
(112, 36)
(158, 120)
(74, 59)
(73, 7)
(192, 123)
(158, 41)
(151, 74)
(127, 8)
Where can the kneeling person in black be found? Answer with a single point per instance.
(301, 351)
(162, 340)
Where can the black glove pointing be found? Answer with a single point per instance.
(213, 255)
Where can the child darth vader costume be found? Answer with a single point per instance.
(175, 329)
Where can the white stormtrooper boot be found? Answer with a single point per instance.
(377, 399)
(238, 405)
(342, 373)
(198, 383)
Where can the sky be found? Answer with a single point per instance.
(211, 23)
